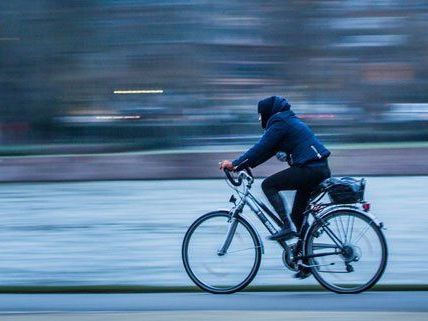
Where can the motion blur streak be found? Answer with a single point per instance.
(138, 92)
(346, 67)
(118, 117)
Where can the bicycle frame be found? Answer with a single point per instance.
(258, 208)
(261, 210)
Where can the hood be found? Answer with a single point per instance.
(270, 106)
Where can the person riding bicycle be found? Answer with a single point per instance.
(286, 134)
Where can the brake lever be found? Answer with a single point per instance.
(248, 175)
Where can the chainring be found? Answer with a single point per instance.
(287, 259)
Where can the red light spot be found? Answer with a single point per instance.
(366, 207)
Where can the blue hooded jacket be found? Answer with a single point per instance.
(285, 132)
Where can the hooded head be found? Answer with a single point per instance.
(270, 106)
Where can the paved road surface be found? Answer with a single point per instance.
(220, 315)
(267, 301)
(130, 232)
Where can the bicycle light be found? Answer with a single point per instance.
(366, 207)
(232, 199)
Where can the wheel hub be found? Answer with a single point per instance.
(351, 253)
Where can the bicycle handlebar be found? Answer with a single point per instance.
(238, 181)
(232, 180)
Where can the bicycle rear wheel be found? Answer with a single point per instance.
(212, 270)
(361, 251)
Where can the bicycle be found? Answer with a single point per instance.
(222, 251)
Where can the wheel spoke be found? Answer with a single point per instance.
(338, 229)
(352, 228)
(347, 227)
(242, 250)
(333, 237)
(354, 268)
(343, 228)
(362, 233)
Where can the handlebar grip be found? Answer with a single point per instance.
(231, 179)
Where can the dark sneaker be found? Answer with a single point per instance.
(303, 273)
(287, 233)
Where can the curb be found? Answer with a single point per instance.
(187, 289)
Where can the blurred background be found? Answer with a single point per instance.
(127, 90)
(354, 70)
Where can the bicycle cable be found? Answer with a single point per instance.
(241, 194)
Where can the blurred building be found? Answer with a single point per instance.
(356, 71)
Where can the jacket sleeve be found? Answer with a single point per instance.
(264, 149)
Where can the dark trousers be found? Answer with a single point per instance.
(302, 179)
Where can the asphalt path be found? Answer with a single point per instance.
(266, 301)
(130, 232)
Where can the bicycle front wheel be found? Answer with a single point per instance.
(349, 251)
(210, 264)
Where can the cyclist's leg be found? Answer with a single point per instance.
(314, 176)
(303, 179)
(301, 200)
(283, 180)
(289, 179)
(300, 203)
(318, 174)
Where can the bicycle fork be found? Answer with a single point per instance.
(232, 228)
(230, 234)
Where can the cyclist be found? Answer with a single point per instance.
(286, 135)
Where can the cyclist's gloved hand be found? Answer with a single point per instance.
(282, 156)
(226, 164)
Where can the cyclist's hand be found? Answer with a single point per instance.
(226, 164)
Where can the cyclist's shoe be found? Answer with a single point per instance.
(303, 273)
(286, 233)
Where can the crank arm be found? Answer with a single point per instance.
(316, 265)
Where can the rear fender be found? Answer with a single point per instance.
(350, 207)
(354, 208)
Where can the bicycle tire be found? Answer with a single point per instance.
(254, 269)
(383, 245)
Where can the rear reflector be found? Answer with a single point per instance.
(366, 207)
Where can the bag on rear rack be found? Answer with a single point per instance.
(344, 190)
